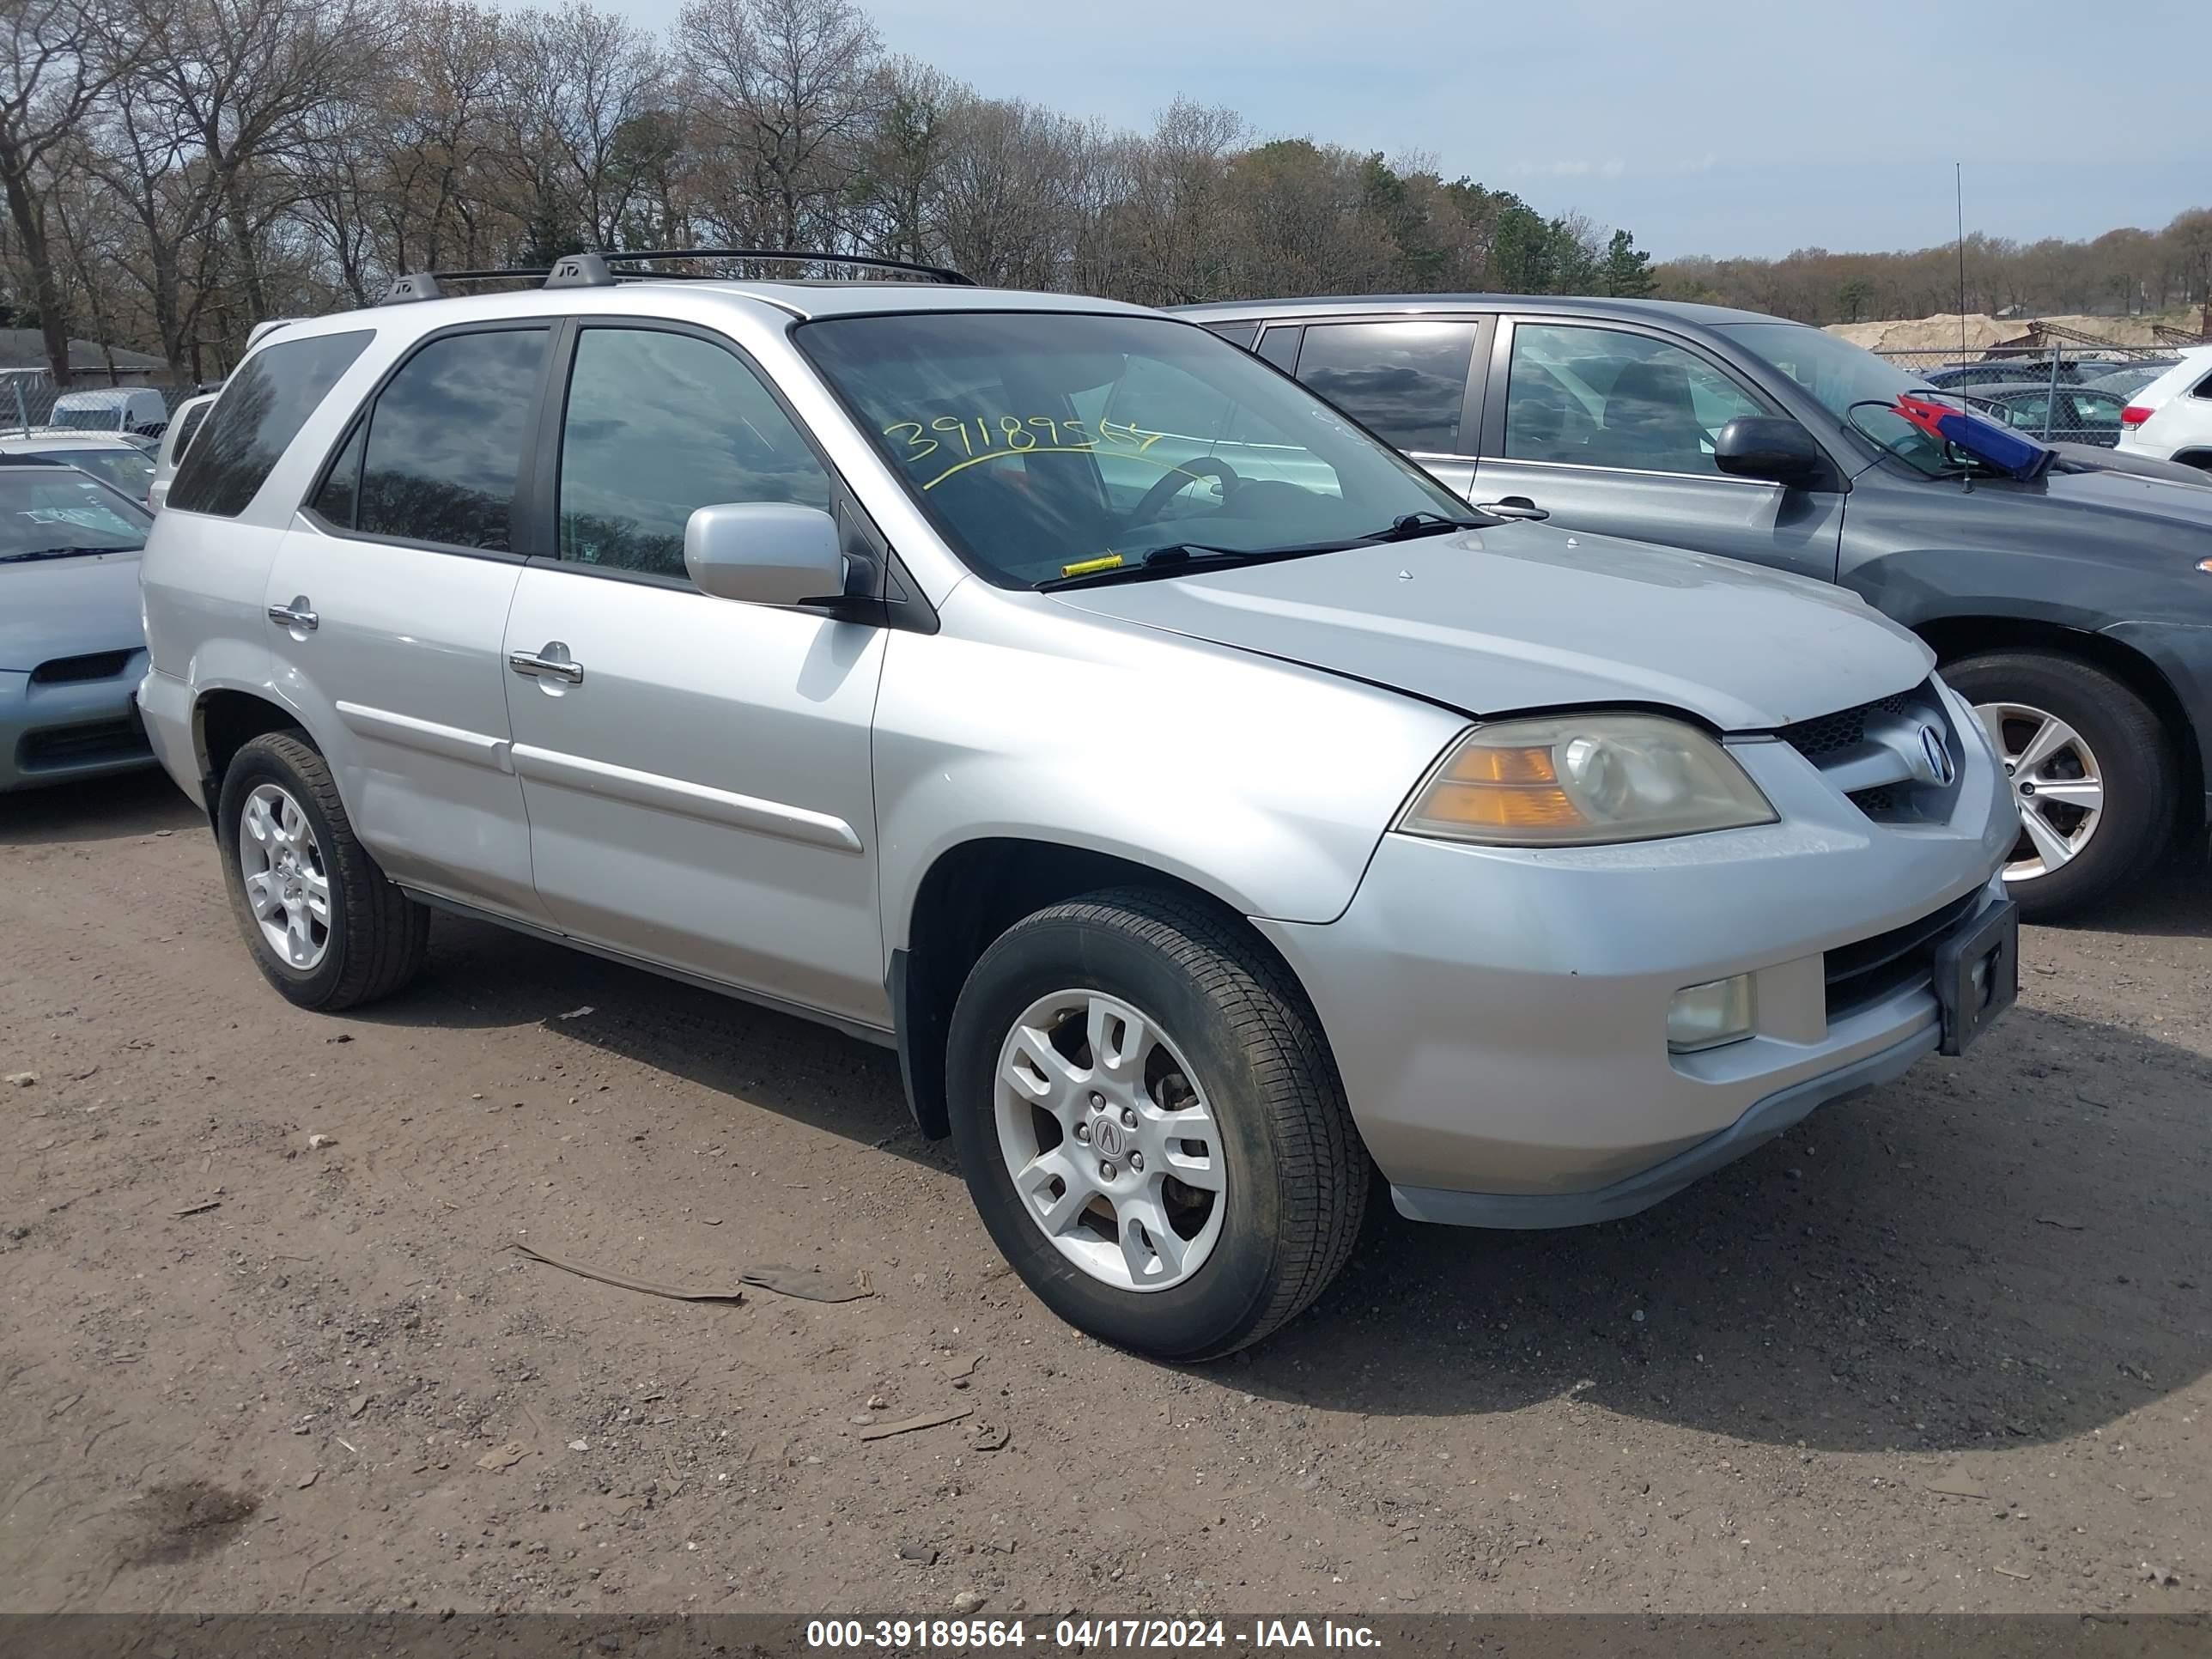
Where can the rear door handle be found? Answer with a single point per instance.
(294, 615)
(1513, 506)
(544, 665)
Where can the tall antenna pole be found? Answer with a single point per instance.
(1959, 195)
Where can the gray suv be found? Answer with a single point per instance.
(2073, 611)
(1205, 820)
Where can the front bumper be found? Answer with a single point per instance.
(68, 732)
(1498, 1015)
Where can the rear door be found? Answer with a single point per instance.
(1609, 429)
(1407, 380)
(696, 770)
(387, 608)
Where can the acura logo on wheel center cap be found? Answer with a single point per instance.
(1106, 1137)
(1938, 753)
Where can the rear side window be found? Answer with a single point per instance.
(444, 441)
(1237, 334)
(259, 413)
(188, 423)
(1405, 382)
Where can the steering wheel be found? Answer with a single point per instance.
(1157, 496)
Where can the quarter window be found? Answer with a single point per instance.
(1602, 397)
(446, 437)
(260, 412)
(659, 424)
(1405, 382)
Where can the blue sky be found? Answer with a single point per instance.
(1714, 128)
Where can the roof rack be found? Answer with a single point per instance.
(596, 270)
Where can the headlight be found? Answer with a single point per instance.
(1583, 780)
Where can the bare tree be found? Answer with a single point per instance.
(63, 55)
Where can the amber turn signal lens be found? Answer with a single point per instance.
(1511, 766)
(1490, 806)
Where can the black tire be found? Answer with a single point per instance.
(2142, 792)
(377, 934)
(1298, 1175)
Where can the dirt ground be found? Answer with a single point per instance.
(1945, 1348)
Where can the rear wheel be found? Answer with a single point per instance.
(1151, 1126)
(326, 926)
(2089, 768)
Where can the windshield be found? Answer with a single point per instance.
(128, 470)
(1841, 377)
(48, 511)
(1044, 443)
(87, 417)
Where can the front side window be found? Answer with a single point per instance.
(260, 411)
(1603, 396)
(1041, 442)
(658, 424)
(1405, 382)
(444, 441)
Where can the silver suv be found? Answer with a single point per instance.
(1206, 806)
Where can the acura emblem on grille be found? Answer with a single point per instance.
(1942, 769)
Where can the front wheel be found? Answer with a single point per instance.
(2090, 767)
(1150, 1125)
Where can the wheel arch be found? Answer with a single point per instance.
(225, 719)
(972, 892)
(1954, 637)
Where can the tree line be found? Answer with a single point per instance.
(2120, 273)
(175, 170)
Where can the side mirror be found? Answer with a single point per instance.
(764, 552)
(1771, 447)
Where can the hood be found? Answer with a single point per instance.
(67, 608)
(1524, 616)
(2126, 484)
(2093, 457)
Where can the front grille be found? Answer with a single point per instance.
(1826, 734)
(1869, 969)
(94, 665)
(82, 745)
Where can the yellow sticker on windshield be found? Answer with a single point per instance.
(1084, 567)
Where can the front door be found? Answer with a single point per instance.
(387, 606)
(696, 771)
(1611, 430)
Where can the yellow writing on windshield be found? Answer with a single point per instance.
(963, 439)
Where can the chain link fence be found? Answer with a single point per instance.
(30, 402)
(2062, 391)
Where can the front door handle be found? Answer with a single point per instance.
(549, 662)
(297, 613)
(1513, 506)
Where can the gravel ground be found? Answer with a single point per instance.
(264, 1344)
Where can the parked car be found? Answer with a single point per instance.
(2002, 371)
(2073, 414)
(71, 652)
(2171, 419)
(110, 456)
(1193, 829)
(2072, 611)
(182, 425)
(140, 409)
(2130, 379)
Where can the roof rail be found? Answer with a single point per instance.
(596, 270)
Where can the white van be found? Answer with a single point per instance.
(141, 409)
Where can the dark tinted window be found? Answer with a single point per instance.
(658, 424)
(334, 501)
(445, 440)
(1280, 346)
(1406, 381)
(1237, 334)
(261, 411)
(188, 423)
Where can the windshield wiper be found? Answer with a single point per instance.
(1179, 556)
(1424, 523)
(58, 553)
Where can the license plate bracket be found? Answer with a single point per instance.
(1977, 976)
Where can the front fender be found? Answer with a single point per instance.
(1262, 782)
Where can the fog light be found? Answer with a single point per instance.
(1706, 1016)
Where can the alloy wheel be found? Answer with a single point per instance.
(287, 887)
(2056, 780)
(1110, 1141)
